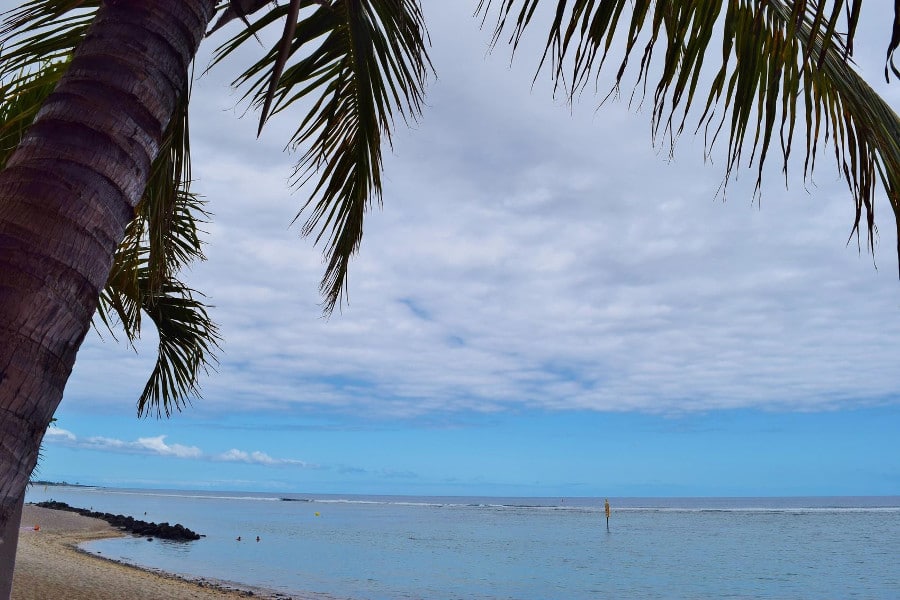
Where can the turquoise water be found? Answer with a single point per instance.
(425, 548)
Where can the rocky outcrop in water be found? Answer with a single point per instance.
(164, 531)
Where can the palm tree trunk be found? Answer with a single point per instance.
(8, 551)
(66, 196)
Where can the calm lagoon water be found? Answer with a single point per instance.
(433, 548)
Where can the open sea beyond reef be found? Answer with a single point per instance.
(444, 548)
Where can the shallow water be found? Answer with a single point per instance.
(380, 548)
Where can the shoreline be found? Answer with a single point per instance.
(51, 564)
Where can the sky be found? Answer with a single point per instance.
(545, 305)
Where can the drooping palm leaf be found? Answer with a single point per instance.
(357, 63)
(781, 61)
(894, 44)
(188, 338)
(169, 211)
(36, 42)
(162, 239)
(284, 53)
(38, 38)
(235, 9)
(42, 31)
(20, 99)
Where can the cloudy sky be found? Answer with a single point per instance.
(546, 304)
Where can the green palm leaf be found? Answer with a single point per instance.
(36, 42)
(162, 239)
(42, 31)
(188, 338)
(781, 61)
(362, 61)
(21, 97)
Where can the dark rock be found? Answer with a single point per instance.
(164, 531)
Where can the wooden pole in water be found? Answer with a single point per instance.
(606, 507)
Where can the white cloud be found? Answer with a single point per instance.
(157, 446)
(58, 434)
(151, 445)
(528, 258)
(258, 458)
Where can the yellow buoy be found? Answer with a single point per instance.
(317, 514)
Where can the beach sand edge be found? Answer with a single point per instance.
(50, 564)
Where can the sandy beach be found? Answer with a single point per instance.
(49, 566)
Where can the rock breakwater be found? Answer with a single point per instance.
(164, 531)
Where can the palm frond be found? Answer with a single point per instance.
(781, 61)
(21, 96)
(358, 63)
(37, 39)
(167, 211)
(41, 31)
(163, 238)
(893, 45)
(235, 9)
(188, 338)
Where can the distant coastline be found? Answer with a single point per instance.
(59, 484)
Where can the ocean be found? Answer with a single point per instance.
(327, 547)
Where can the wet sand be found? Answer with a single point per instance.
(49, 565)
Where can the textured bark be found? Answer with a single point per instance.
(8, 551)
(66, 196)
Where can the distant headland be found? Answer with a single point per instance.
(59, 483)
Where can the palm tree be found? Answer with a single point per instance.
(93, 201)
(95, 204)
